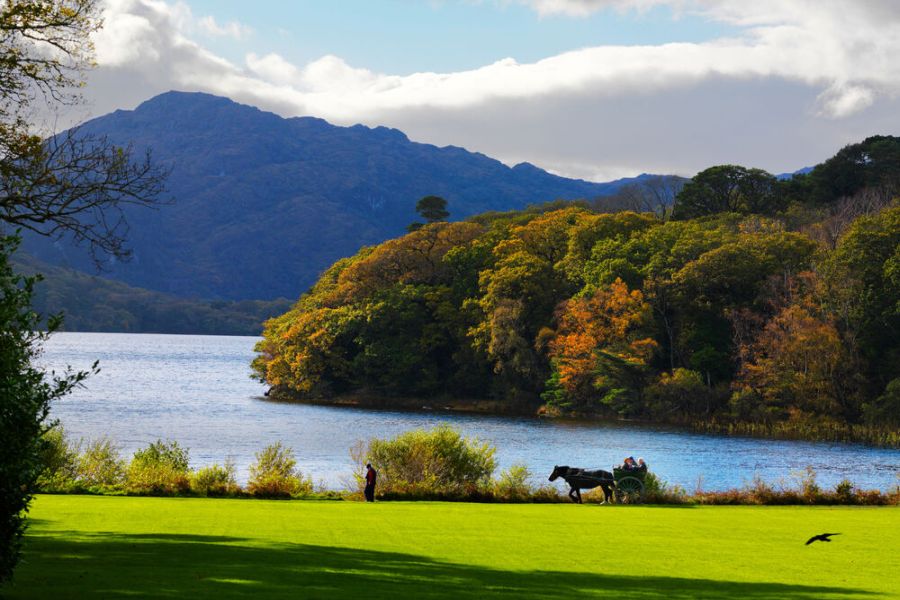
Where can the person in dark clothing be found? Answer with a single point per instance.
(371, 475)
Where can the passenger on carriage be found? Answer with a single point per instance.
(630, 465)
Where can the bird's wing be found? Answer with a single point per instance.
(811, 540)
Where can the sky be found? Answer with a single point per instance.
(595, 89)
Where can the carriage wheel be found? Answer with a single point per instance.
(629, 490)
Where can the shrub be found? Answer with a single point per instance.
(657, 491)
(514, 484)
(681, 394)
(438, 462)
(100, 465)
(547, 494)
(215, 480)
(159, 469)
(806, 491)
(59, 462)
(275, 474)
(163, 453)
(845, 493)
(809, 489)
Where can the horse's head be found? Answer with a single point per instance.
(558, 471)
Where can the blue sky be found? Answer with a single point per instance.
(596, 89)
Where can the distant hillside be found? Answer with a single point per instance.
(264, 204)
(93, 303)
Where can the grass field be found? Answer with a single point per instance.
(117, 547)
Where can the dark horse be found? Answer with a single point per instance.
(582, 479)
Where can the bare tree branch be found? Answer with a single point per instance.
(75, 184)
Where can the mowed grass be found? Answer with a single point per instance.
(117, 547)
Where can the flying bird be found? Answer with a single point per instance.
(822, 537)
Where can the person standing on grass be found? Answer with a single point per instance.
(371, 475)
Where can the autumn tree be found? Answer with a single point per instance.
(519, 294)
(797, 369)
(412, 259)
(600, 350)
(621, 313)
(388, 320)
(648, 259)
(613, 229)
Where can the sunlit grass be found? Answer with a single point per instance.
(82, 546)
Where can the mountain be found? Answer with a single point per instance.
(92, 303)
(803, 171)
(262, 204)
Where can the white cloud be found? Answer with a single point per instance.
(275, 69)
(583, 8)
(232, 29)
(841, 52)
(840, 101)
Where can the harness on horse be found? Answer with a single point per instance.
(598, 475)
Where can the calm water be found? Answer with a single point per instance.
(197, 390)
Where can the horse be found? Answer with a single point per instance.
(579, 479)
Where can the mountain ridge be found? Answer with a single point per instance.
(264, 203)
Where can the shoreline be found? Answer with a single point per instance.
(372, 401)
(877, 437)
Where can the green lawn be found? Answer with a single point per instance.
(115, 547)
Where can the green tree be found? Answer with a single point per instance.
(25, 396)
(873, 163)
(862, 289)
(727, 188)
(432, 209)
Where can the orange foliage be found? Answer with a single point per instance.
(413, 258)
(610, 321)
(796, 363)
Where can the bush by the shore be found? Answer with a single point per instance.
(437, 464)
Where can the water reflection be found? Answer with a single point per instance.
(197, 390)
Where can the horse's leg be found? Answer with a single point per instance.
(578, 493)
(607, 493)
(572, 491)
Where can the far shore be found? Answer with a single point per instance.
(374, 401)
(858, 434)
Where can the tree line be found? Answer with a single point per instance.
(752, 299)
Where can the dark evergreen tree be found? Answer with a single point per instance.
(432, 209)
(728, 188)
(26, 393)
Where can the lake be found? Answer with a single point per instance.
(197, 390)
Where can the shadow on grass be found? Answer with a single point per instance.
(101, 565)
